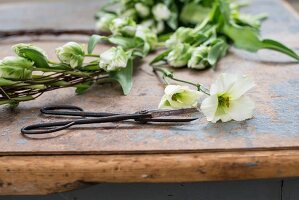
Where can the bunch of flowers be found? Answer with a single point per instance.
(201, 47)
(194, 34)
(157, 15)
(30, 73)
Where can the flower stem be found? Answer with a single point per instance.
(168, 74)
(92, 55)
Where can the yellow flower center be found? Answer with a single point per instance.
(223, 101)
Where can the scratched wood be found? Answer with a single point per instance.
(274, 126)
(49, 174)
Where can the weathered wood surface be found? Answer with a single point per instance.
(275, 122)
(225, 151)
(48, 174)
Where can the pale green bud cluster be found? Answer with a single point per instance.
(142, 10)
(123, 26)
(161, 12)
(103, 24)
(180, 55)
(148, 36)
(114, 59)
(16, 68)
(71, 53)
(199, 58)
(182, 35)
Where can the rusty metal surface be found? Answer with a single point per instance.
(275, 123)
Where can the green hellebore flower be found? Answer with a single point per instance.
(104, 22)
(180, 55)
(149, 37)
(16, 68)
(161, 12)
(123, 26)
(177, 97)
(142, 10)
(71, 53)
(182, 35)
(16, 48)
(199, 58)
(113, 59)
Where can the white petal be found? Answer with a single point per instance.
(172, 89)
(223, 83)
(164, 103)
(241, 109)
(209, 107)
(240, 87)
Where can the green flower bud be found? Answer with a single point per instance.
(16, 48)
(148, 36)
(199, 58)
(123, 26)
(142, 10)
(129, 13)
(161, 12)
(16, 68)
(182, 35)
(180, 55)
(113, 59)
(104, 22)
(71, 53)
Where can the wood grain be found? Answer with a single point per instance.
(223, 151)
(48, 174)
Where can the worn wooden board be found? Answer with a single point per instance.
(274, 126)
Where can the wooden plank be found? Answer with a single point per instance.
(48, 174)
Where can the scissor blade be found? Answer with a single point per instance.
(163, 113)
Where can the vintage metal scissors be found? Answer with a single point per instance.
(101, 117)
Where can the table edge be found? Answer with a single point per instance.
(48, 174)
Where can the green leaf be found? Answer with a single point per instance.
(194, 13)
(82, 87)
(217, 51)
(92, 42)
(277, 46)
(245, 38)
(126, 42)
(37, 57)
(124, 77)
(5, 82)
(160, 57)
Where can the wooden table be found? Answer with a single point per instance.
(266, 146)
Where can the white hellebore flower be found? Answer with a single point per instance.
(161, 12)
(104, 22)
(16, 68)
(180, 55)
(123, 26)
(147, 35)
(142, 9)
(199, 58)
(113, 59)
(227, 100)
(71, 53)
(181, 35)
(177, 97)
